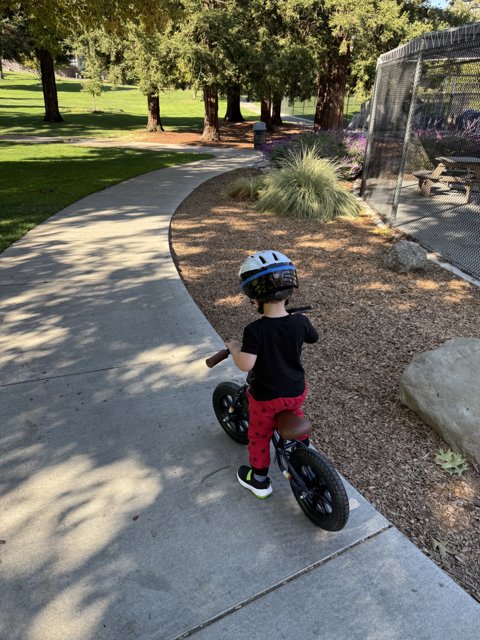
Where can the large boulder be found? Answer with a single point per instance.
(443, 387)
(406, 256)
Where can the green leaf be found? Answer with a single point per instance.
(441, 547)
(451, 462)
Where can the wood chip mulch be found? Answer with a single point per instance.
(238, 135)
(371, 323)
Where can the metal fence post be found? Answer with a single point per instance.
(408, 129)
(371, 124)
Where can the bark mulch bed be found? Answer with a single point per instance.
(371, 323)
(237, 135)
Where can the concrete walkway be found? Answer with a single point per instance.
(121, 516)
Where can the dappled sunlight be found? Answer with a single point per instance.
(453, 517)
(77, 608)
(377, 286)
(231, 301)
(157, 368)
(190, 251)
(210, 495)
(463, 489)
(319, 242)
(173, 472)
(76, 508)
(453, 292)
(402, 306)
(452, 507)
(200, 272)
(363, 251)
(239, 224)
(427, 285)
(67, 326)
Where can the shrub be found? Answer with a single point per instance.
(355, 145)
(245, 187)
(345, 147)
(305, 186)
(325, 144)
(449, 142)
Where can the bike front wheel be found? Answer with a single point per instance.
(231, 409)
(322, 497)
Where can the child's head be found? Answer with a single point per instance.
(268, 276)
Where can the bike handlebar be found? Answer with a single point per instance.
(218, 357)
(212, 361)
(299, 309)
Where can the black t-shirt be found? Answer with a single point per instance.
(277, 343)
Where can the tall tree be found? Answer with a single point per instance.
(50, 23)
(45, 26)
(234, 112)
(100, 55)
(281, 59)
(151, 60)
(205, 43)
(351, 36)
(14, 40)
(465, 10)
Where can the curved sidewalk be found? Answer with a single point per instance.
(120, 513)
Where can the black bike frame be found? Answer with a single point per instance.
(282, 447)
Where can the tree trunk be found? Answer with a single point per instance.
(277, 111)
(1, 69)
(265, 113)
(211, 132)
(154, 121)
(332, 82)
(234, 113)
(47, 71)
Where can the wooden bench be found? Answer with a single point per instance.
(426, 179)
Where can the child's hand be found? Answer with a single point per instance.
(233, 346)
(244, 361)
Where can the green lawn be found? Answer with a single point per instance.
(37, 180)
(306, 108)
(121, 111)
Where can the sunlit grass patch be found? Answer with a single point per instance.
(37, 180)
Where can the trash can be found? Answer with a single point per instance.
(259, 134)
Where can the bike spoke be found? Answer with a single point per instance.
(232, 419)
(318, 496)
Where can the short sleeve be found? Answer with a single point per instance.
(250, 341)
(311, 334)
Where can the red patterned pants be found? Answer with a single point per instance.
(262, 425)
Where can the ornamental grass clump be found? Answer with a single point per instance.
(245, 187)
(305, 186)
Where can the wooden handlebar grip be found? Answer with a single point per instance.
(218, 357)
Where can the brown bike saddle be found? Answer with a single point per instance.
(292, 427)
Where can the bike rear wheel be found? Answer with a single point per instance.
(323, 499)
(234, 423)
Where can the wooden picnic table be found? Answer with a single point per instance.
(464, 170)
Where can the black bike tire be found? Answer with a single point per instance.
(220, 392)
(324, 469)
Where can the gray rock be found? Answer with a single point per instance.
(406, 256)
(442, 387)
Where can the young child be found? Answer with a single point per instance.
(271, 349)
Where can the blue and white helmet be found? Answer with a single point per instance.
(267, 276)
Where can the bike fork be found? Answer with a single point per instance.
(282, 452)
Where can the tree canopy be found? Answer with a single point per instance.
(269, 48)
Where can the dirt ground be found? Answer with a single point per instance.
(236, 135)
(371, 323)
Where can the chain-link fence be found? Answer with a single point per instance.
(306, 108)
(422, 167)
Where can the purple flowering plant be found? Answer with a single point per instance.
(344, 147)
(457, 141)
